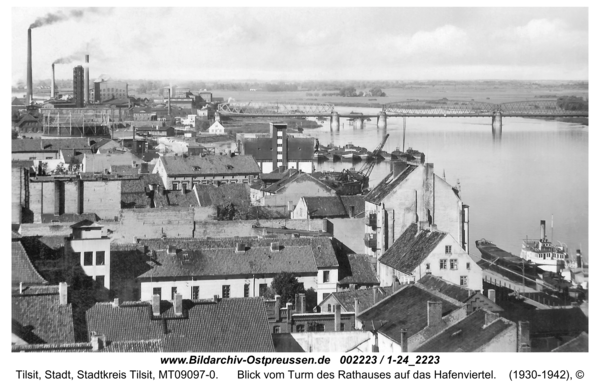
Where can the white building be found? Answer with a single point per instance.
(243, 267)
(86, 249)
(421, 250)
(216, 128)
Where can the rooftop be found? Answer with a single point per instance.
(411, 248)
(364, 296)
(405, 309)
(22, 268)
(298, 178)
(334, 206)
(579, 344)
(359, 271)
(387, 185)
(468, 335)
(438, 284)
(209, 165)
(29, 145)
(230, 325)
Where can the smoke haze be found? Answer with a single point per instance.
(74, 14)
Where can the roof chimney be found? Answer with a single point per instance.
(490, 317)
(288, 313)
(20, 288)
(240, 248)
(98, 341)
(434, 313)
(492, 295)
(403, 341)
(523, 342)
(156, 304)
(337, 317)
(171, 249)
(115, 303)
(374, 296)
(178, 304)
(277, 307)
(356, 312)
(215, 298)
(274, 246)
(302, 303)
(63, 293)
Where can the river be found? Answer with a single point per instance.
(537, 171)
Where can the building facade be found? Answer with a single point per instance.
(78, 86)
(108, 90)
(86, 249)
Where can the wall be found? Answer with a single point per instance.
(504, 342)
(326, 288)
(102, 198)
(71, 196)
(35, 155)
(350, 232)
(75, 250)
(17, 193)
(448, 210)
(212, 287)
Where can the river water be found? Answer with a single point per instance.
(536, 171)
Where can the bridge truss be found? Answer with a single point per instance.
(275, 109)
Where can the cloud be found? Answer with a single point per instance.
(444, 40)
(59, 16)
(313, 37)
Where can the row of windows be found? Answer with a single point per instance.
(444, 265)
(185, 185)
(225, 291)
(316, 327)
(88, 258)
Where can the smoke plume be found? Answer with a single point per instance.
(73, 14)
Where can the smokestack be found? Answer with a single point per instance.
(52, 85)
(169, 103)
(86, 90)
(542, 229)
(578, 259)
(403, 341)
(337, 317)
(29, 70)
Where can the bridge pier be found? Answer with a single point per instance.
(335, 121)
(497, 123)
(382, 120)
(359, 123)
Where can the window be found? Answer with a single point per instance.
(184, 185)
(427, 266)
(173, 292)
(464, 281)
(448, 249)
(300, 328)
(276, 329)
(328, 307)
(468, 265)
(32, 158)
(225, 291)
(195, 292)
(99, 258)
(88, 258)
(326, 276)
(157, 291)
(175, 185)
(262, 290)
(100, 281)
(341, 326)
(454, 264)
(246, 290)
(443, 263)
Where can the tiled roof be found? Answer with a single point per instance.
(334, 206)
(23, 145)
(377, 194)
(236, 194)
(579, 344)
(177, 199)
(22, 268)
(405, 309)
(259, 148)
(298, 179)
(74, 155)
(136, 346)
(467, 335)
(322, 248)
(278, 174)
(133, 194)
(210, 164)
(230, 325)
(359, 271)
(438, 284)
(364, 296)
(37, 316)
(411, 248)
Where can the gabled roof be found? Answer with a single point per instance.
(411, 248)
(389, 183)
(133, 194)
(230, 325)
(468, 335)
(364, 296)
(177, 199)
(209, 165)
(360, 271)
(300, 149)
(38, 317)
(334, 206)
(438, 284)
(102, 162)
(22, 268)
(405, 309)
(579, 344)
(298, 178)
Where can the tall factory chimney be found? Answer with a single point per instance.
(169, 103)
(542, 229)
(86, 86)
(53, 84)
(29, 71)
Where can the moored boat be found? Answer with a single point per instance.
(547, 256)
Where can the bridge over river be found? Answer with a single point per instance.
(436, 108)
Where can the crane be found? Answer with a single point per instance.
(367, 168)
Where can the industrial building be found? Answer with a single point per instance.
(107, 90)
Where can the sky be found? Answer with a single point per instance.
(305, 43)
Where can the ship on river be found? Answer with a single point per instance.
(545, 254)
